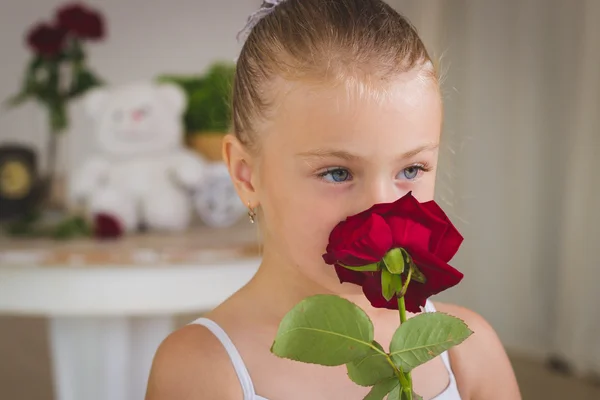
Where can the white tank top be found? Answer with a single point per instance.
(450, 393)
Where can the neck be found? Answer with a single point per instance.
(278, 286)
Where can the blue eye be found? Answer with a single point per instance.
(412, 172)
(336, 175)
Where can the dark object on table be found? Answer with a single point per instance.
(19, 180)
(107, 227)
(558, 365)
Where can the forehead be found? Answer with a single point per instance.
(404, 112)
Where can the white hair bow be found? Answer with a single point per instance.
(265, 9)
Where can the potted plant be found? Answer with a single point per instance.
(208, 114)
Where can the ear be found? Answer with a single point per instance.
(174, 96)
(95, 101)
(240, 166)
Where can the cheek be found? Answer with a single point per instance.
(297, 216)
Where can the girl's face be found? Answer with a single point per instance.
(327, 154)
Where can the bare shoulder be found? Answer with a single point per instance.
(190, 364)
(481, 365)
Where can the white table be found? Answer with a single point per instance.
(111, 304)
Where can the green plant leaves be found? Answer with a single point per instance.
(424, 337)
(82, 81)
(370, 369)
(331, 331)
(208, 98)
(380, 390)
(44, 83)
(29, 86)
(325, 330)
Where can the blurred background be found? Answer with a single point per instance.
(521, 82)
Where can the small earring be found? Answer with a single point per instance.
(251, 213)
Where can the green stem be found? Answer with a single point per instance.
(398, 372)
(406, 383)
(402, 309)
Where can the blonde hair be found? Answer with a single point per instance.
(362, 42)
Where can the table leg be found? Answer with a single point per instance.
(104, 358)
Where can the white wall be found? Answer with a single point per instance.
(145, 38)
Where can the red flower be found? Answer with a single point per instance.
(422, 229)
(364, 240)
(81, 21)
(46, 40)
(107, 226)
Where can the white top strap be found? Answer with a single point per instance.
(234, 355)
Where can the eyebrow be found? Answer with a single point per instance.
(344, 155)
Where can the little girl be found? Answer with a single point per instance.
(336, 107)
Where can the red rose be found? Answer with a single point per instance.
(81, 21)
(46, 40)
(422, 229)
(364, 240)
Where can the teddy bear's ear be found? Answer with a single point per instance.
(95, 101)
(173, 96)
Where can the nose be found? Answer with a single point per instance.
(381, 191)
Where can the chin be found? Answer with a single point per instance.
(325, 277)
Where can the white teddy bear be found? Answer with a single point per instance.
(142, 175)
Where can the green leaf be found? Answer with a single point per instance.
(416, 396)
(83, 81)
(18, 99)
(29, 86)
(325, 330)
(424, 337)
(379, 391)
(370, 369)
(396, 393)
(394, 261)
(364, 268)
(390, 284)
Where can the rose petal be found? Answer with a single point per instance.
(347, 275)
(359, 242)
(46, 40)
(339, 234)
(452, 239)
(408, 208)
(440, 276)
(409, 233)
(81, 21)
(372, 290)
